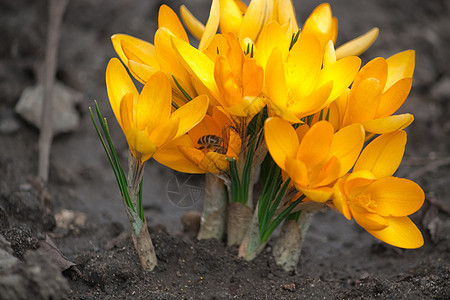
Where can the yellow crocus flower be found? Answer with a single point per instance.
(379, 89)
(146, 118)
(298, 85)
(379, 202)
(314, 158)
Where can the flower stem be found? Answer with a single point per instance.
(212, 224)
(287, 248)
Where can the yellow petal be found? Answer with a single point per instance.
(248, 107)
(165, 132)
(118, 84)
(316, 144)
(275, 79)
(191, 114)
(341, 73)
(242, 6)
(321, 194)
(140, 144)
(214, 162)
(388, 124)
(329, 55)
(200, 67)
(320, 23)
(370, 221)
(303, 65)
(127, 112)
(363, 102)
(154, 102)
(401, 232)
(234, 144)
(208, 126)
(255, 17)
(357, 181)
(143, 47)
(280, 145)
(376, 68)
(297, 171)
(140, 71)
(286, 13)
(393, 98)
(195, 27)
(192, 154)
(325, 174)
(168, 18)
(167, 56)
(340, 199)
(271, 36)
(230, 17)
(139, 53)
(395, 197)
(252, 78)
(358, 45)
(211, 25)
(400, 65)
(346, 146)
(383, 155)
(305, 106)
(171, 157)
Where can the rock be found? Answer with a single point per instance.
(9, 124)
(65, 116)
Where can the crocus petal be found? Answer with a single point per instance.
(168, 18)
(388, 124)
(275, 78)
(154, 102)
(329, 55)
(234, 144)
(326, 174)
(396, 197)
(303, 65)
(376, 68)
(192, 154)
(357, 181)
(208, 126)
(393, 98)
(316, 144)
(195, 27)
(248, 107)
(145, 48)
(305, 106)
(297, 171)
(341, 73)
(214, 162)
(400, 65)
(230, 17)
(191, 114)
(320, 23)
(167, 55)
(339, 199)
(254, 19)
(401, 232)
(211, 25)
(321, 194)
(140, 144)
(126, 111)
(199, 66)
(271, 36)
(281, 140)
(363, 101)
(140, 71)
(358, 45)
(347, 145)
(286, 13)
(118, 84)
(383, 155)
(370, 221)
(165, 132)
(171, 157)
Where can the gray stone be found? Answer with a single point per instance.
(65, 117)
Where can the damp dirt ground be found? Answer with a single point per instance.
(70, 240)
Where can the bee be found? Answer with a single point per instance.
(212, 143)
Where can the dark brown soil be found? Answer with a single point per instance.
(81, 211)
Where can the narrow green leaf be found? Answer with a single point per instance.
(186, 95)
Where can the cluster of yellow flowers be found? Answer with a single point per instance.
(321, 107)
